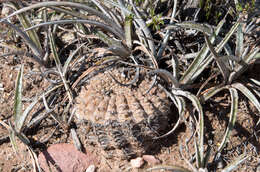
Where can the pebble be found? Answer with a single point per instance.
(91, 168)
(1, 87)
(150, 159)
(137, 163)
(66, 158)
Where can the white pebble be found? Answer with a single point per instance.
(91, 168)
(137, 163)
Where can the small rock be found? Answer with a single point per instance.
(68, 37)
(1, 87)
(66, 158)
(137, 163)
(150, 159)
(91, 168)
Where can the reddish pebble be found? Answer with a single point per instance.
(150, 159)
(137, 163)
(65, 158)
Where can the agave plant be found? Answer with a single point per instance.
(16, 128)
(230, 66)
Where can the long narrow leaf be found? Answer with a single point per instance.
(206, 158)
(248, 94)
(69, 4)
(199, 159)
(20, 117)
(120, 5)
(239, 69)
(188, 76)
(169, 168)
(234, 164)
(65, 67)
(128, 30)
(224, 70)
(34, 159)
(198, 107)
(142, 26)
(115, 46)
(21, 136)
(167, 76)
(167, 34)
(59, 66)
(38, 53)
(18, 100)
(255, 82)
(25, 21)
(13, 141)
(232, 117)
(29, 109)
(209, 59)
(180, 104)
(192, 25)
(239, 41)
(92, 22)
(101, 8)
(211, 92)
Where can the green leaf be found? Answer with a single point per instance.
(144, 34)
(18, 100)
(25, 21)
(248, 94)
(21, 136)
(169, 168)
(69, 59)
(234, 164)
(223, 68)
(28, 109)
(199, 160)
(167, 76)
(206, 158)
(13, 141)
(232, 117)
(198, 107)
(240, 68)
(219, 47)
(195, 66)
(128, 30)
(239, 41)
(192, 25)
(37, 52)
(114, 45)
(80, 6)
(255, 82)
(180, 104)
(59, 66)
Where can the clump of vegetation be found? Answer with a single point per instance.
(248, 7)
(186, 54)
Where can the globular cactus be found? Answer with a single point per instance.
(122, 117)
